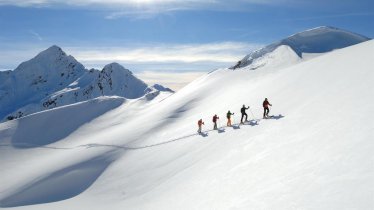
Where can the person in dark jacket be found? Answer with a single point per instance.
(242, 110)
(266, 105)
(215, 118)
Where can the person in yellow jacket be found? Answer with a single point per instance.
(228, 115)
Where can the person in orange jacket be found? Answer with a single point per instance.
(200, 123)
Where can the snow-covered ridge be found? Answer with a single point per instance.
(317, 40)
(53, 78)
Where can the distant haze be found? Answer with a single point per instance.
(173, 80)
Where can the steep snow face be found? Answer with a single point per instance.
(315, 153)
(4, 76)
(35, 79)
(112, 80)
(318, 40)
(158, 87)
(54, 79)
(121, 81)
(281, 57)
(52, 63)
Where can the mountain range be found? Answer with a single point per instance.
(53, 79)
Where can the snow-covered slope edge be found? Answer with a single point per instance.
(313, 41)
(71, 116)
(53, 79)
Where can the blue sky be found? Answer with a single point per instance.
(166, 35)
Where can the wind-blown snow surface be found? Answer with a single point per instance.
(315, 154)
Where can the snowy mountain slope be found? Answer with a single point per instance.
(147, 156)
(54, 79)
(71, 115)
(33, 80)
(112, 80)
(317, 40)
(281, 57)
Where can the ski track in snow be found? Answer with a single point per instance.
(80, 176)
(94, 145)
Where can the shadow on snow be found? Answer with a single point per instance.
(59, 185)
(48, 123)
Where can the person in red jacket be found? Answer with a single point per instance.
(266, 105)
(200, 123)
(215, 118)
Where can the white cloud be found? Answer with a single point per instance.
(173, 80)
(225, 52)
(24, 3)
(172, 65)
(140, 57)
(145, 8)
(136, 3)
(36, 35)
